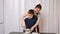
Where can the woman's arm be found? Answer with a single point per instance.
(24, 15)
(38, 21)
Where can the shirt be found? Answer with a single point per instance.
(30, 22)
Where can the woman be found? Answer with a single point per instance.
(37, 10)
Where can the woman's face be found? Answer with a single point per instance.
(36, 10)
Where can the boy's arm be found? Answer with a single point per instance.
(38, 21)
(23, 22)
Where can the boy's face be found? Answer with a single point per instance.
(30, 16)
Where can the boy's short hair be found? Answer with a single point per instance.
(31, 11)
(38, 6)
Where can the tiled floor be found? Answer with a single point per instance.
(22, 33)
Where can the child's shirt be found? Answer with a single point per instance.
(30, 22)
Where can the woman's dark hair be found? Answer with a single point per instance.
(31, 11)
(38, 6)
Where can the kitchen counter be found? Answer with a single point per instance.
(22, 33)
(16, 33)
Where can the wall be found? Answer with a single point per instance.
(13, 10)
(11, 16)
(58, 14)
(1, 17)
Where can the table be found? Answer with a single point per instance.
(16, 33)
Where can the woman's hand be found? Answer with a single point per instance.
(32, 29)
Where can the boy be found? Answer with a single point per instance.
(30, 20)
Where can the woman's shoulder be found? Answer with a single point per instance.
(39, 15)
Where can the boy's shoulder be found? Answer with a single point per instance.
(26, 18)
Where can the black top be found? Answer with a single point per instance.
(30, 22)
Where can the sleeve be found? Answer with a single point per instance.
(24, 19)
(39, 15)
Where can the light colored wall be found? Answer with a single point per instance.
(1, 17)
(1, 11)
(11, 16)
(13, 10)
(58, 13)
(1, 29)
